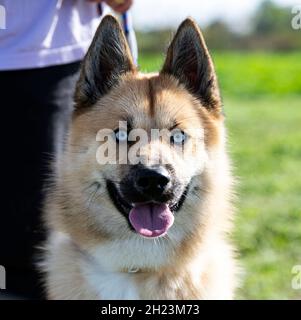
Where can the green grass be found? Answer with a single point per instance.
(262, 98)
(248, 74)
(265, 143)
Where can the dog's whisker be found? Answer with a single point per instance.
(94, 194)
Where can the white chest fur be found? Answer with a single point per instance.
(131, 254)
(103, 273)
(111, 285)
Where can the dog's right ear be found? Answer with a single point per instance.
(189, 61)
(106, 60)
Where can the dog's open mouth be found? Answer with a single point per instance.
(149, 219)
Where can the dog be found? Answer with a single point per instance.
(156, 228)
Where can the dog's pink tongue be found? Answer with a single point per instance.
(151, 220)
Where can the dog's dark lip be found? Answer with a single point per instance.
(177, 206)
(124, 207)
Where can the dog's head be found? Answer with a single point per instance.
(140, 145)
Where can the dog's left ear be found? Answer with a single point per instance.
(189, 61)
(107, 59)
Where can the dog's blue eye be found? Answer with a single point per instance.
(178, 137)
(121, 135)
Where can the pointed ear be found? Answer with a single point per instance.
(189, 61)
(106, 60)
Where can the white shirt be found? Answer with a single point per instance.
(41, 33)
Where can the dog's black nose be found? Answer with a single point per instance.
(152, 182)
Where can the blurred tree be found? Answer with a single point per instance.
(271, 19)
(270, 30)
(154, 41)
(219, 36)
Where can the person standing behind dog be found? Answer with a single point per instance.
(40, 52)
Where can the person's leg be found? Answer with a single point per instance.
(35, 110)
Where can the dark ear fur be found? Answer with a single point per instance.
(189, 61)
(106, 60)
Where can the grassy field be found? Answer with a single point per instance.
(262, 98)
(249, 74)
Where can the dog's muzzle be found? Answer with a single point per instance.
(143, 184)
(148, 197)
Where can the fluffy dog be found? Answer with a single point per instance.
(155, 228)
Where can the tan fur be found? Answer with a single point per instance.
(197, 258)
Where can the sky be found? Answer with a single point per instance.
(156, 14)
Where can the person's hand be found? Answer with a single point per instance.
(119, 6)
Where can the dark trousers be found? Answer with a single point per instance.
(35, 108)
